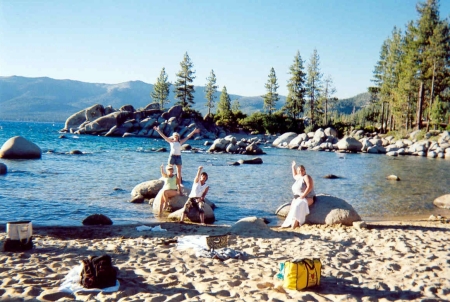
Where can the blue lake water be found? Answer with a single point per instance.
(62, 189)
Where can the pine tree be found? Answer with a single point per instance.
(210, 91)
(235, 106)
(161, 89)
(314, 83)
(224, 105)
(327, 96)
(386, 73)
(433, 40)
(271, 97)
(184, 90)
(295, 100)
(408, 83)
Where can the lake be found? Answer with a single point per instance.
(62, 189)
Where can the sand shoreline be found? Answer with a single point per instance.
(389, 261)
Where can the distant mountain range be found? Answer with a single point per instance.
(46, 99)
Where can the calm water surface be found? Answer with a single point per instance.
(63, 189)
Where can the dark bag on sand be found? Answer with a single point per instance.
(98, 272)
(18, 236)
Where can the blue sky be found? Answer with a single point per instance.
(241, 40)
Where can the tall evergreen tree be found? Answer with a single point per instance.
(433, 40)
(328, 100)
(296, 86)
(406, 91)
(271, 97)
(210, 91)
(313, 83)
(386, 73)
(224, 105)
(161, 89)
(184, 90)
(235, 106)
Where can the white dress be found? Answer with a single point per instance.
(299, 206)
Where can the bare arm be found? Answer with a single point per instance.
(196, 130)
(309, 186)
(204, 194)
(162, 134)
(294, 170)
(162, 171)
(197, 177)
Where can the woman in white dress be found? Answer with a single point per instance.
(303, 190)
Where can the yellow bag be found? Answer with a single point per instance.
(299, 274)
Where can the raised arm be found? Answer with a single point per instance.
(196, 130)
(197, 177)
(294, 170)
(162, 134)
(162, 171)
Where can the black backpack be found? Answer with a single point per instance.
(98, 272)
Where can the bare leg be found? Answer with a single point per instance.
(182, 216)
(167, 195)
(310, 201)
(202, 214)
(202, 218)
(179, 172)
(163, 202)
(296, 224)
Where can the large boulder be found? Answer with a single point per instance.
(128, 107)
(284, 139)
(442, 202)
(152, 106)
(174, 111)
(194, 215)
(331, 132)
(175, 203)
(326, 209)
(295, 142)
(349, 144)
(97, 219)
(253, 161)
(18, 147)
(148, 189)
(3, 169)
(90, 114)
(219, 144)
(105, 123)
(254, 149)
(249, 225)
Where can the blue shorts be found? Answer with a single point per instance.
(175, 160)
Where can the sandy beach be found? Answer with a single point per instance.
(387, 261)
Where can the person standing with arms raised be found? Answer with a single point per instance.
(175, 148)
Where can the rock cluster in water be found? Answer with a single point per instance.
(435, 144)
(127, 121)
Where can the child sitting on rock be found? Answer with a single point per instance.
(197, 195)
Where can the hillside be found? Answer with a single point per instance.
(47, 99)
(357, 102)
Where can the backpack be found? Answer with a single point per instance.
(98, 272)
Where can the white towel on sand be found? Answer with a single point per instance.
(71, 283)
